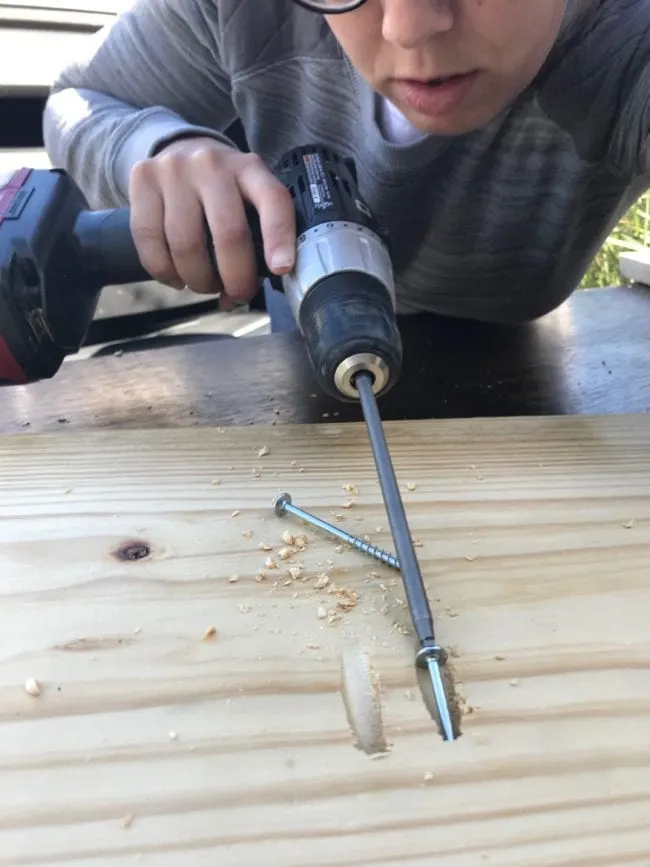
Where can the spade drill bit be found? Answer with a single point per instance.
(430, 656)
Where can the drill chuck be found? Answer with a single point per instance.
(341, 295)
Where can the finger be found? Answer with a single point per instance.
(147, 217)
(186, 236)
(231, 238)
(277, 214)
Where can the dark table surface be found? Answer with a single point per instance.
(590, 356)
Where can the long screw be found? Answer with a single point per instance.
(430, 655)
(282, 505)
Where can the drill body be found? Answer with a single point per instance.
(56, 256)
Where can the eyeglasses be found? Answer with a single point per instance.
(330, 7)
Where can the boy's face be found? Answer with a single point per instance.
(496, 47)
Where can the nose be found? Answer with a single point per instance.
(410, 23)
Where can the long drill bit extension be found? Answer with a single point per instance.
(430, 656)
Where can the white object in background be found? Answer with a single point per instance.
(636, 266)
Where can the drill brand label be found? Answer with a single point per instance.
(317, 179)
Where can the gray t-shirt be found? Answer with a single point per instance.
(498, 225)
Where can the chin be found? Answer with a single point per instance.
(453, 124)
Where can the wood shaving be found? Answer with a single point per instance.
(270, 563)
(32, 687)
(288, 538)
(350, 489)
(264, 546)
(628, 524)
(247, 534)
(411, 486)
(235, 513)
(126, 821)
(295, 572)
(470, 557)
(427, 777)
(417, 543)
(348, 504)
(285, 553)
(215, 482)
(210, 632)
(345, 599)
(514, 682)
(322, 612)
(263, 451)
(322, 581)
(260, 576)
(300, 542)
(337, 516)
(173, 736)
(244, 609)
(233, 579)
(256, 472)
(408, 693)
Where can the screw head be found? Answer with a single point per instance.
(280, 503)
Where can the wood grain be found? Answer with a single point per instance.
(153, 744)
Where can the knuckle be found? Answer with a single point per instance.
(141, 174)
(252, 161)
(170, 162)
(206, 158)
(231, 235)
(146, 234)
(185, 246)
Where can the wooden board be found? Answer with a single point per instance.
(153, 744)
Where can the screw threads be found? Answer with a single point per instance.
(282, 504)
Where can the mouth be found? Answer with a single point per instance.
(436, 80)
(436, 96)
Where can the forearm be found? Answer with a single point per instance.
(153, 75)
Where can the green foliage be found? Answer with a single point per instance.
(632, 233)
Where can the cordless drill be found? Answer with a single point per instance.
(56, 256)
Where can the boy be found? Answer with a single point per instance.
(498, 141)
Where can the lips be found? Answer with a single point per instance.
(436, 96)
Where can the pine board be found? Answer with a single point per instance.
(152, 744)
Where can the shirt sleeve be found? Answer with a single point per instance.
(151, 76)
(596, 84)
